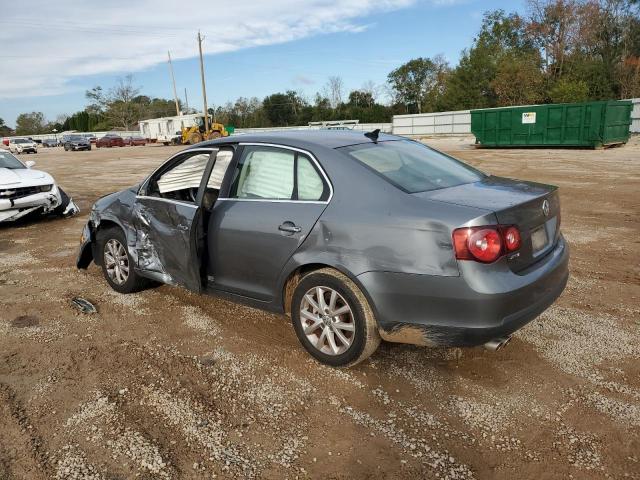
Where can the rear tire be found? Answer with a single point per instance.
(116, 263)
(338, 339)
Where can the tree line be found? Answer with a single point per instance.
(557, 51)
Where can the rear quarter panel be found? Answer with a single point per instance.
(370, 225)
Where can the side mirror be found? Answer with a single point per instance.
(30, 163)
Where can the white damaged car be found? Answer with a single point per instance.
(24, 191)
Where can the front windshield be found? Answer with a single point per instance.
(9, 161)
(20, 140)
(412, 166)
(76, 137)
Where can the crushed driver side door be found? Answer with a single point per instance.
(169, 230)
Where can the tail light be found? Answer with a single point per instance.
(511, 238)
(485, 244)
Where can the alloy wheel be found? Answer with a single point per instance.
(327, 320)
(116, 261)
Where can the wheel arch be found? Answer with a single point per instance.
(295, 275)
(103, 224)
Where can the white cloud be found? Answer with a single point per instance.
(47, 44)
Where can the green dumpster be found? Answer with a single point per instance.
(230, 128)
(589, 124)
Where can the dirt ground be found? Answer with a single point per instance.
(167, 384)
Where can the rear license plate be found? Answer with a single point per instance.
(539, 239)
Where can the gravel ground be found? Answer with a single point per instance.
(166, 384)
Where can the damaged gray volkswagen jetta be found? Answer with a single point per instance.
(359, 237)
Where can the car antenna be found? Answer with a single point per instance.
(373, 135)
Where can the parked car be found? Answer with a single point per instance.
(360, 237)
(110, 140)
(133, 141)
(50, 142)
(76, 142)
(5, 142)
(25, 191)
(92, 138)
(22, 145)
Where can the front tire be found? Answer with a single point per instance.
(194, 138)
(333, 319)
(117, 265)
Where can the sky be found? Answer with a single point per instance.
(52, 52)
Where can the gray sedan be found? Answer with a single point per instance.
(358, 237)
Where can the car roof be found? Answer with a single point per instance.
(305, 139)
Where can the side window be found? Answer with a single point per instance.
(223, 159)
(271, 173)
(264, 173)
(182, 181)
(310, 184)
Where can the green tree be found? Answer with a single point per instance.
(569, 91)
(519, 80)
(30, 123)
(279, 109)
(470, 84)
(417, 83)
(358, 98)
(83, 121)
(283, 109)
(5, 130)
(118, 105)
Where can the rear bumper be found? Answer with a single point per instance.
(467, 310)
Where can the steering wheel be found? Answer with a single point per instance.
(193, 194)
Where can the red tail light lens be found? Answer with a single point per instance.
(512, 239)
(485, 244)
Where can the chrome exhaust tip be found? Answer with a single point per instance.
(497, 343)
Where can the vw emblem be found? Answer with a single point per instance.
(545, 208)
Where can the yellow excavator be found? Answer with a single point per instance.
(197, 133)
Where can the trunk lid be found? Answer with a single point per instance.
(533, 207)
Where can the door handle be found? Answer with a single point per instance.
(289, 227)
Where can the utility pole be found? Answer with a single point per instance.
(204, 87)
(186, 100)
(173, 81)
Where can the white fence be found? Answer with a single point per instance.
(440, 123)
(363, 127)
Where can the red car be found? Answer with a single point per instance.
(110, 140)
(133, 141)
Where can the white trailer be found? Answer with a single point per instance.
(167, 130)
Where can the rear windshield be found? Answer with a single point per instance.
(9, 161)
(412, 166)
